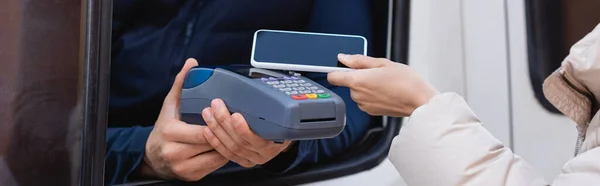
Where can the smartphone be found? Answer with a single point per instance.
(303, 51)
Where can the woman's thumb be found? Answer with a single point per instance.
(172, 100)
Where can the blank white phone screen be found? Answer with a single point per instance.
(305, 49)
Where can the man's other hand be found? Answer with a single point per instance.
(176, 149)
(231, 136)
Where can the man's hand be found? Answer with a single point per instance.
(176, 149)
(382, 87)
(231, 136)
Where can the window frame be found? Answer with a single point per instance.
(97, 30)
(543, 46)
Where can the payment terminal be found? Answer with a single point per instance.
(276, 106)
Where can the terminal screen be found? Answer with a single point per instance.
(247, 73)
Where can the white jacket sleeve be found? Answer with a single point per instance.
(584, 170)
(444, 143)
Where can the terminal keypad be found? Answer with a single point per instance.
(296, 88)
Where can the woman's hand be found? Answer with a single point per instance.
(382, 87)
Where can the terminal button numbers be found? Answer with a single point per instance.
(295, 87)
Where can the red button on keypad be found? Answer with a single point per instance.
(299, 97)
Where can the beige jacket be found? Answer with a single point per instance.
(444, 143)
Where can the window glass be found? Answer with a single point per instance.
(553, 26)
(43, 71)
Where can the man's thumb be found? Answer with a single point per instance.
(172, 100)
(360, 61)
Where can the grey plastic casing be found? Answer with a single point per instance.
(269, 112)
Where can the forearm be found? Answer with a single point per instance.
(446, 141)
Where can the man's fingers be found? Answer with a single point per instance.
(227, 122)
(340, 78)
(220, 110)
(208, 160)
(220, 147)
(360, 61)
(221, 140)
(174, 151)
(242, 129)
(171, 102)
(237, 119)
(215, 161)
(196, 168)
(184, 133)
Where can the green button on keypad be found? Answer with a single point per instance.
(325, 95)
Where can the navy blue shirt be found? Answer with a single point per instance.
(153, 38)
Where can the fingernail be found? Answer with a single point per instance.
(215, 104)
(235, 119)
(208, 113)
(342, 56)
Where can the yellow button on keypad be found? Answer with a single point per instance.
(311, 96)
